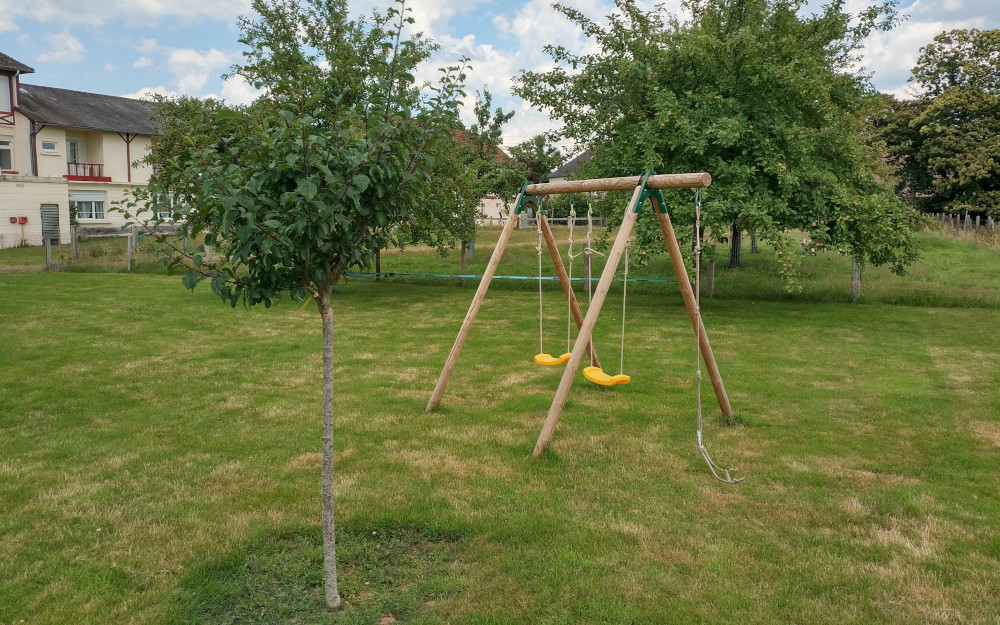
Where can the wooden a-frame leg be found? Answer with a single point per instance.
(587, 329)
(689, 302)
(470, 316)
(567, 285)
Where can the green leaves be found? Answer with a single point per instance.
(308, 180)
(190, 279)
(753, 92)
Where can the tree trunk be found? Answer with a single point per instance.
(753, 243)
(472, 241)
(329, 535)
(461, 265)
(708, 280)
(736, 246)
(378, 265)
(855, 279)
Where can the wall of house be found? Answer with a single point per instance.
(493, 207)
(20, 132)
(51, 164)
(23, 196)
(118, 155)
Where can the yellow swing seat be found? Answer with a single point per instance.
(548, 360)
(597, 376)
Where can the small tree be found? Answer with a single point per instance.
(311, 178)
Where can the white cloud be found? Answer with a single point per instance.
(192, 68)
(146, 92)
(147, 46)
(109, 67)
(96, 12)
(64, 48)
(236, 90)
(142, 61)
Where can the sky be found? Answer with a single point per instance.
(184, 47)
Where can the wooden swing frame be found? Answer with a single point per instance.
(646, 186)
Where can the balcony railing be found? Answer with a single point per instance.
(6, 118)
(86, 171)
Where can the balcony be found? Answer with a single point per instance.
(91, 172)
(6, 118)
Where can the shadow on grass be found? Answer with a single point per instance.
(387, 574)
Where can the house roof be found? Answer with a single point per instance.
(13, 65)
(87, 111)
(457, 134)
(573, 165)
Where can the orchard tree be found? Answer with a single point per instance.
(753, 91)
(960, 122)
(473, 167)
(311, 178)
(894, 132)
(539, 156)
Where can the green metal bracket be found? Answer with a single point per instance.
(525, 199)
(647, 193)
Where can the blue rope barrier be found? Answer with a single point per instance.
(374, 275)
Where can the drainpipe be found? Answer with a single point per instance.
(34, 129)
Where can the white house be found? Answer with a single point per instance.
(62, 148)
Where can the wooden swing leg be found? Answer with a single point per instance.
(689, 302)
(470, 316)
(567, 285)
(587, 329)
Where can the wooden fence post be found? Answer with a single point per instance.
(48, 252)
(74, 237)
(855, 280)
(708, 280)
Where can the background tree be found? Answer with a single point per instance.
(473, 167)
(313, 177)
(893, 132)
(539, 156)
(960, 122)
(750, 90)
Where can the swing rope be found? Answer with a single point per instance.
(621, 353)
(571, 256)
(714, 468)
(538, 224)
(589, 250)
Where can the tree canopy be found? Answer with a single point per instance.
(959, 124)
(539, 156)
(751, 91)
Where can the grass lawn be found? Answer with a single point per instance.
(159, 455)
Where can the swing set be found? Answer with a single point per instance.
(648, 186)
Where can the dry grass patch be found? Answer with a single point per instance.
(986, 431)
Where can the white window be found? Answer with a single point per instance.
(89, 204)
(165, 207)
(48, 147)
(6, 153)
(74, 151)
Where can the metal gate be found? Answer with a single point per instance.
(50, 222)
